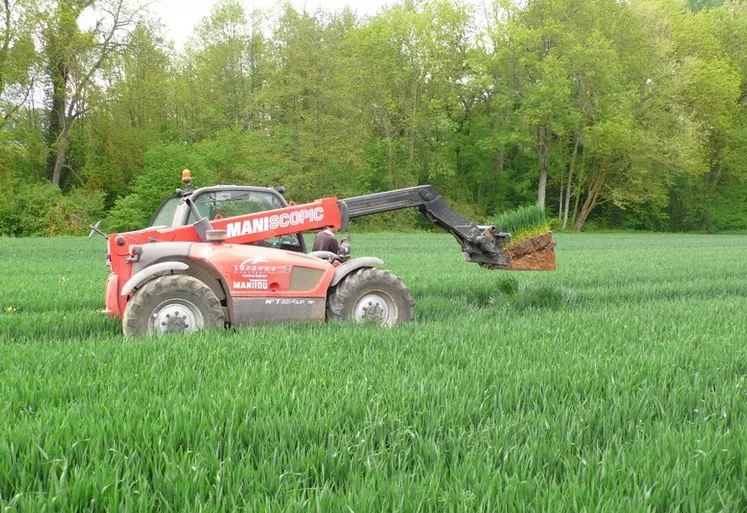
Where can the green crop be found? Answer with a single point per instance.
(616, 383)
(523, 222)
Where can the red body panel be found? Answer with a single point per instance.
(119, 248)
(112, 296)
(254, 271)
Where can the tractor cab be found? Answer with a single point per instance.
(223, 201)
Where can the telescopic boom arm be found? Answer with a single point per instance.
(480, 244)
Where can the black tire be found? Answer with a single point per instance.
(362, 291)
(165, 300)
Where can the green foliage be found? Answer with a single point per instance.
(74, 213)
(9, 222)
(35, 204)
(728, 211)
(128, 214)
(40, 209)
(630, 397)
(625, 114)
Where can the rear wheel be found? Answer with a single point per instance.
(371, 295)
(176, 303)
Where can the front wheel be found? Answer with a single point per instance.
(172, 304)
(371, 295)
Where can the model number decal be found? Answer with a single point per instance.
(275, 221)
(290, 301)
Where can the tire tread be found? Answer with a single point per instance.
(344, 293)
(211, 309)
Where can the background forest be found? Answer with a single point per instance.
(611, 114)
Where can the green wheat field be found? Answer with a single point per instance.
(616, 383)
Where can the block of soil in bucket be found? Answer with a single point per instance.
(532, 254)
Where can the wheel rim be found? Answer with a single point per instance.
(176, 316)
(375, 307)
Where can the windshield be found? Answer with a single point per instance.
(218, 205)
(222, 204)
(165, 214)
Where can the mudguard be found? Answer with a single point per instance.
(353, 265)
(324, 255)
(151, 272)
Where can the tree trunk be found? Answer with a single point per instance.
(411, 154)
(458, 151)
(561, 196)
(570, 178)
(390, 152)
(580, 180)
(575, 207)
(591, 199)
(589, 205)
(4, 51)
(56, 114)
(499, 158)
(542, 186)
(424, 174)
(296, 132)
(712, 179)
(543, 151)
(59, 162)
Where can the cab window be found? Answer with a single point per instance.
(222, 204)
(217, 205)
(165, 214)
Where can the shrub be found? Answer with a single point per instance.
(128, 214)
(728, 209)
(10, 224)
(34, 203)
(74, 213)
(40, 209)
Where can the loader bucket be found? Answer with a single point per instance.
(532, 254)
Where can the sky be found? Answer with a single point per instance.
(180, 16)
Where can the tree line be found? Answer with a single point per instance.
(609, 114)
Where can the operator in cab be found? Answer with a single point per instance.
(325, 241)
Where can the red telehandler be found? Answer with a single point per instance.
(232, 255)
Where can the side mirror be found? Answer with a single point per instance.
(345, 249)
(96, 228)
